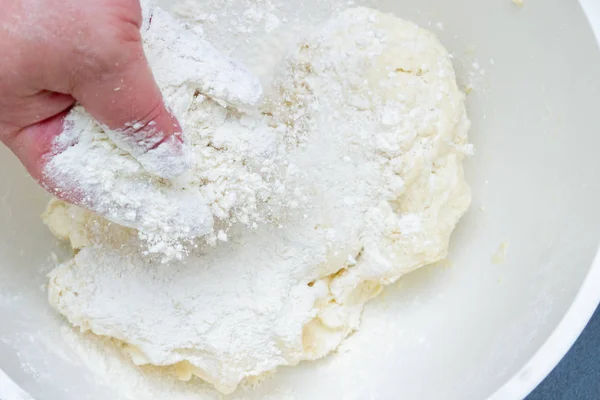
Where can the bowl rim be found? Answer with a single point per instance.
(568, 330)
(564, 336)
(547, 357)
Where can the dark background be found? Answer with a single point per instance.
(577, 377)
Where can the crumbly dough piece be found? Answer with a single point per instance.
(200, 87)
(373, 128)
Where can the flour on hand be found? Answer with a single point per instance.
(102, 168)
(353, 170)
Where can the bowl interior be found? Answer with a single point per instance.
(459, 330)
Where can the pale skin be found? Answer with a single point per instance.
(56, 53)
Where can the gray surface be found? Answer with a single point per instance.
(577, 377)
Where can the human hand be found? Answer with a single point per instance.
(59, 52)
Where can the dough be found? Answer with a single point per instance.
(372, 132)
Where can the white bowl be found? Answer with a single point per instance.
(472, 330)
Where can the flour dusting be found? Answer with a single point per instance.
(202, 88)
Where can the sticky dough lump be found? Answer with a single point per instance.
(373, 128)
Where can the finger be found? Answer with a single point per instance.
(35, 108)
(34, 144)
(128, 102)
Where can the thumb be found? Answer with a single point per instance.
(128, 102)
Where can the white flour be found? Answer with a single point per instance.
(93, 160)
(355, 168)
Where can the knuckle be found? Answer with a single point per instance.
(149, 117)
(146, 129)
